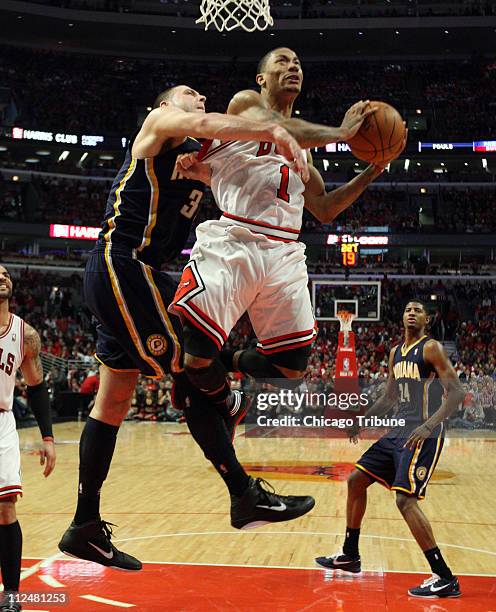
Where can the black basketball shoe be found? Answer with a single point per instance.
(241, 404)
(435, 587)
(340, 561)
(259, 506)
(9, 603)
(91, 541)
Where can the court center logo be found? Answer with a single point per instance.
(421, 472)
(157, 344)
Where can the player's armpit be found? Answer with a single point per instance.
(435, 354)
(31, 367)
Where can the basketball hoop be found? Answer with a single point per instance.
(345, 320)
(226, 15)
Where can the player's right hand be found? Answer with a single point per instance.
(288, 147)
(355, 116)
(189, 166)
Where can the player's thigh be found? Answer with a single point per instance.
(282, 314)
(130, 300)
(10, 464)
(217, 286)
(116, 389)
(378, 462)
(415, 467)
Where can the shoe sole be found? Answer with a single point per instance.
(435, 596)
(122, 569)
(255, 524)
(338, 569)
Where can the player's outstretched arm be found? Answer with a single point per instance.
(164, 124)
(38, 399)
(327, 205)
(251, 105)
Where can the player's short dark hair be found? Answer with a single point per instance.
(263, 61)
(164, 96)
(417, 301)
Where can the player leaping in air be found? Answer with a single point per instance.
(404, 459)
(250, 259)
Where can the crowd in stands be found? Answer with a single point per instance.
(463, 312)
(52, 199)
(72, 93)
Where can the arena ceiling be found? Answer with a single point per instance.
(126, 34)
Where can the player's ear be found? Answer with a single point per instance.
(260, 78)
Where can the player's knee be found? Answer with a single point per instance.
(198, 345)
(404, 502)
(358, 481)
(8, 510)
(291, 363)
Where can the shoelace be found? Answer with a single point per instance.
(432, 580)
(268, 491)
(107, 528)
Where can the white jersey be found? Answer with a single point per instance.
(11, 357)
(254, 187)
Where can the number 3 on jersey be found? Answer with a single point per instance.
(282, 192)
(190, 208)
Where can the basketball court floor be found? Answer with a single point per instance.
(172, 511)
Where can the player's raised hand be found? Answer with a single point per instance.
(47, 457)
(189, 166)
(291, 150)
(355, 116)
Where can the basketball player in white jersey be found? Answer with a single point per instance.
(19, 348)
(250, 259)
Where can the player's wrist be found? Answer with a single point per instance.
(48, 439)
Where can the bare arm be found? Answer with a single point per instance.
(436, 356)
(326, 206)
(31, 367)
(164, 124)
(32, 370)
(388, 399)
(250, 104)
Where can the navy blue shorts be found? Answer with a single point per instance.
(130, 299)
(399, 468)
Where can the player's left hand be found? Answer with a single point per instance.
(189, 166)
(47, 457)
(417, 436)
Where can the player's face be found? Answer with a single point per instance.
(282, 72)
(188, 99)
(414, 317)
(5, 285)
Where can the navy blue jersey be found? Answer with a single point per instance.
(420, 391)
(151, 206)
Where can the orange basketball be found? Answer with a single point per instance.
(380, 136)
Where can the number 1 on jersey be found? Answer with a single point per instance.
(282, 192)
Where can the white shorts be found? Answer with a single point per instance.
(232, 271)
(10, 456)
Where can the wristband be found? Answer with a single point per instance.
(39, 403)
(48, 439)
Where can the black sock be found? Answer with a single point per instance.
(209, 431)
(10, 555)
(96, 449)
(437, 563)
(212, 381)
(350, 546)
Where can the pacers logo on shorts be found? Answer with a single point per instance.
(157, 344)
(421, 472)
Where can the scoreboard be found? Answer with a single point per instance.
(348, 246)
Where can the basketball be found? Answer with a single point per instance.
(380, 136)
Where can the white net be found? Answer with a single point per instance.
(345, 320)
(226, 15)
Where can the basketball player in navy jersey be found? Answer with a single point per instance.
(19, 349)
(405, 458)
(147, 221)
